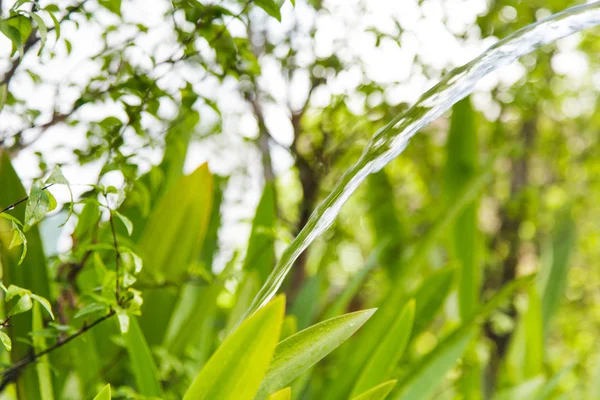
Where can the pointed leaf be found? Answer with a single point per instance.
(104, 394)
(379, 392)
(235, 370)
(301, 351)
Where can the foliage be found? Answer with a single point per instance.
(463, 269)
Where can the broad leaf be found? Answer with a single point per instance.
(238, 366)
(283, 394)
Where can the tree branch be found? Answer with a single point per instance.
(11, 374)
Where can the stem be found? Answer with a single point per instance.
(118, 258)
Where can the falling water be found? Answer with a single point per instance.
(391, 140)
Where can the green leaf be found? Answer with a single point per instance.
(126, 221)
(57, 178)
(272, 7)
(175, 230)
(301, 351)
(13, 35)
(428, 373)
(42, 29)
(5, 341)
(104, 394)
(91, 309)
(236, 369)
(141, 360)
(462, 165)
(113, 6)
(283, 394)
(389, 352)
(378, 392)
(171, 240)
(56, 24)
(40, 202)
(44, 303)
(34, 277)
(553, 277)
(260, 255)
(23, 305)
(425, 376)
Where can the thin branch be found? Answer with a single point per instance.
(11, 374)
(13, 205)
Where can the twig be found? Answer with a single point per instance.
(12, 373)
(13, 205)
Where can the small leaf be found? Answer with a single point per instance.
(283, 394)
(42, 29)
(44, 303)
(301, 351)
(40, 202)
(271, 7)
(123, 321)
(24, 304)
(104, 394)
(5, 341)
(13, 34)
(126, 221)
(236, 369)
(90, 309)
(379, 392)
(57, 178)
(111, 5)
(14, 291)
(56, 24)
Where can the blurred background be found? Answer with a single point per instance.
(280, 110)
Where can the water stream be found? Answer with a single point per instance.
(388, 142)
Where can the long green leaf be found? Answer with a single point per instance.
(238, 366)
(32, 275)
(171, 240)
(461, 165)
(389, 352)
(142, 362)
(554, 275)
(301, 351)
(379, 392)
(260, 255)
